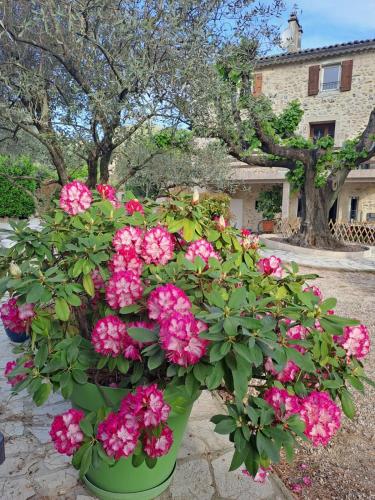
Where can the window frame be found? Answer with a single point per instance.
(324, 124)
(330, 65)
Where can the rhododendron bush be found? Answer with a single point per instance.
(164, 300)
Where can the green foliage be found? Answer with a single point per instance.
(269, 202)
(170, 138)
(14, 201)
(286, 123)
(216, 204)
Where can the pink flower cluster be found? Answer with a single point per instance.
(127, 238)
(108, 336)
(132, 348)
(108, 192)
(249, 240)
(158, 246)
(123, 289)
(355, 340)
(203, 249)
(315, 290)
(260, 476)
(322, 417)
(167, 299)
(75, 198)
(270, 266)
(66, 432)
(287, 374)
(297, 332)
(125, 260)
(179, 336)
(134, 205)
(16, 318)
(16, 379)
(142, 415)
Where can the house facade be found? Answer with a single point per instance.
(336, 88)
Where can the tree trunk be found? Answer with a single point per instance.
(92, 165)
(316, 204)
(59, 163)
(105, 160)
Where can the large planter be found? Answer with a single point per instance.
(267, 226)
(123, 481)
(16, 337)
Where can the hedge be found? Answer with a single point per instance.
(14, 201)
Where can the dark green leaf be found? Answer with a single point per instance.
(347, 403)
(41, 356)
(62, 309)
(226, 426)
(41, 394)
(143, 334)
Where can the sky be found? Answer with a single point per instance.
(326, 22)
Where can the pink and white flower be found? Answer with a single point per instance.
(297, 332)
(179, 337)
(158, 246)
(260, 476)
(66, 432)
(165, 300)
(287, 374)
(16, 379)
(123, 289)
(127, 238)
(270, 266)
(355, 340)
(108, 192)
(220, 223)
(75, 198)
(132, 347)
(282, 402)
(108, 336)
(249, 241)
(125, 260)
(203, 249)
(16, 318)
(118, 434)
(134, 205)
(157, 446)
(315, 290)
(147, 405)
(322, 417)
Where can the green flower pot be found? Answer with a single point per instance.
(123, 481)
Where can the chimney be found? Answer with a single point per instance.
(295, 30)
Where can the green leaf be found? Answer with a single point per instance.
(77, 457)
(237, 459)
(41, 394)
(189, 229)
(86, 427)
(304, 361)
(156, 360)
(133, 308)
(201, 371)
(143, 334)
(79, 376)
(268, 447)
(244, 351)
(66, 385)
(41, 356)
(88, 285)
(86, 461)
(226, 426)
(138, 460)
(151, 462)
(231, 325)
(215, 378)
(123, 365)
(102, 362)
(36, 292)
(347, 404)
(237, 298)
(62, 309)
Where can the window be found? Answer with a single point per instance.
(331, 77)
(353, 208)
(318, 130)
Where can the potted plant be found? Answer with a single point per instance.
(269, 204)
(138, 307)
(16, 319)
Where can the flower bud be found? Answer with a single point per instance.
(221, 223)
(15, 270)
(195, 199)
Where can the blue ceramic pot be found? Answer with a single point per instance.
(16, 337)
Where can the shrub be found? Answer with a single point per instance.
(162, 304)
(269, 202)
(14, 200)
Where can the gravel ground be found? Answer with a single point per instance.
(346, 468)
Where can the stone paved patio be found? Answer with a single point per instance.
(33, 470)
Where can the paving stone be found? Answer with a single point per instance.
(55, 483)
(191, 445)
(17, 489)
(15, 445)
(205, 407)
(41, 433)
(84, 497)
(192, 480)
(11, 429)
(235, 485)
(204, 431)
(56, 460)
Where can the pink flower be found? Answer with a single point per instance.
(75, 198)
(16, 318)
(179, 337)
(270, 266)
(157, 446)
(97, 280)
(245, 233)
(355, 340)
(123, 289)
(124, 260)
(287, 374)
(165, 300)
(132, 348)
(66, 432)
(147, 405)
(296, 487)
(108, 336)
(315, 290)
(249, 241)
(132, 206)
(221, 223)
(108, 192)
(203, 249)
(118, 434)
(307, 481)
(158, 246)
(322, 417)
(297, 332)
(127, 238)
(260, 476)
(16, 379)
(282, 402)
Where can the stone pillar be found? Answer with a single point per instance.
(286, 200)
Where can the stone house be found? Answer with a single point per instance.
(336, 88)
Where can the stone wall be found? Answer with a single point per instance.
(366, 200)
(350, 110)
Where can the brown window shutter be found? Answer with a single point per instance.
(346, 75)
(258, 79)
(313, 87)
